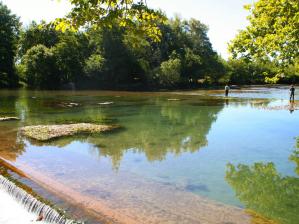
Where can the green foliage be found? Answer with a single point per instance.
(273, 32)
(244, 72)
(291, 73)
(133, 15)
(241, 71)
(117, 47)
(69, 58)
(66, 53)
(40, 68)
(117, 58)
(189, 40)
(169, 72)
(272, 80)
(94, 65)
(9, 29)
(36, 34)
(262, 189)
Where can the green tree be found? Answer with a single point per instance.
(191, 42)
(67, 51)
(273, 32)
(35, 34)
(121, 67)
(40, 68)
(291, 73)
(70, 53)
(243, 72)
(119, 58)
(94, 66)
(169, 72)
(9, 29)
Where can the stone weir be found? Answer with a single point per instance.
(33, 205)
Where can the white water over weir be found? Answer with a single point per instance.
(31, 204)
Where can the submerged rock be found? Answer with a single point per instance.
(106, 103)
(65, 104)
(48, 132)
(9, 118)
(174, 99)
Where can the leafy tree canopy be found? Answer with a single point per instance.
(36, 34)
(273, 32)
(40, 69)
(134, 15)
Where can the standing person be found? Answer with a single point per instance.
(292, 93)
(226, 88)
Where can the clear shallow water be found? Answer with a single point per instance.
(173, 146)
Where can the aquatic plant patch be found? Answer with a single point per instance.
(48, 132)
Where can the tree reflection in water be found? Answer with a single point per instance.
(11, 144)
(262, 189)
(152, 125)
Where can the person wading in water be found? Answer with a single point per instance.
(226, 88)
(292, 93)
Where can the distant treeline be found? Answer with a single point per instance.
(40, 57)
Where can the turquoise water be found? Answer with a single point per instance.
(180, 140)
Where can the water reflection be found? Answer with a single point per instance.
(262, 189)
(154, 126)
(155, 129)
(292, 106)
(161, 129)
(12, 145)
